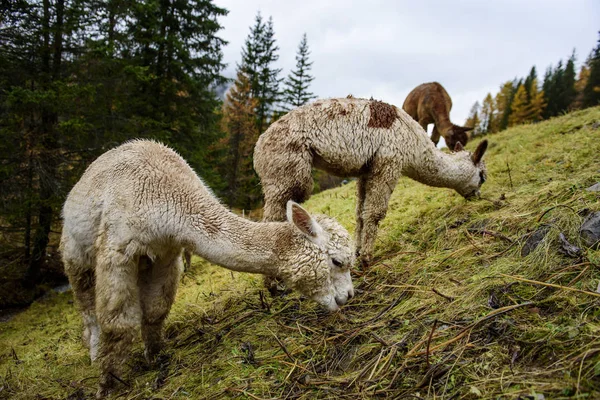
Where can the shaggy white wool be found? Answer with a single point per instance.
(130, 216)
(368, 139)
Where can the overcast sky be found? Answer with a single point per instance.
(385, 48)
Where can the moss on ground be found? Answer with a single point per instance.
(450, 308)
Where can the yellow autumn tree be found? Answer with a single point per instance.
(488, 115)
(239, 125)
(537, 103)
(519, 111)
(473, 120)
(584, 74)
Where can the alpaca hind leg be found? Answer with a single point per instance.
(378, 189)
(83, 283)
(118, 312)
(158, 286)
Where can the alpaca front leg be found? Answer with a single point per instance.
(158, 286)
(435, 135)
(360, 203)
(379, 187)
(119, 314)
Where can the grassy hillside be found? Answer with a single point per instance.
(450, 308)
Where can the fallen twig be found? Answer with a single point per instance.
(429, 342)
(449, 298)
(285, 350)
(466, 330)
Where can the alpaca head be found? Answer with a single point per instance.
(457, 134)
(474, 170)
(318, 264)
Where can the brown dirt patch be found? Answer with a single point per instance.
(383, 115)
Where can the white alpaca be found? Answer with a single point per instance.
(368, 139)
(129, 217)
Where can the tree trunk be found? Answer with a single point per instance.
(49, 144)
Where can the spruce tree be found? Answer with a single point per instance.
(258, 57)
(298, 81)
(568, 92)
(591, 92)
(553, 87)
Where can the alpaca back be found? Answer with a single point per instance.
(429, 101)
(143, 187)
(342, 135)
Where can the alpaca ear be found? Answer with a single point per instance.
(302, 220)
(458, 147)
(466, 128)
(479, 152)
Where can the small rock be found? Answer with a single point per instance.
(534, 240)
(567, 248)
(596, 125)
(594, 188)
(590, 230)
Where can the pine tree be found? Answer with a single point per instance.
(553, 88)
(239, 125)
(258, 56)
(568, 92)
(473, 119)
(591, 92)
(488, 111)
(296, 92)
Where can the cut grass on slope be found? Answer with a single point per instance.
(450, 308)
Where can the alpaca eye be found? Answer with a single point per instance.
(481, 177)
(336, 262)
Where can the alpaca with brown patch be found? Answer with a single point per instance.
(126, 223)
(429, 103)
(371, 140)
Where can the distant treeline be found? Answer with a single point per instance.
(78, 77)
(525, 100)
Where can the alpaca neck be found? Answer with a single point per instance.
(442, 123)
(436, 168)
(238, 244)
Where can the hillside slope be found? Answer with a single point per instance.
(444, 312)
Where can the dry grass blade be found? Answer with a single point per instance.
(552, 285)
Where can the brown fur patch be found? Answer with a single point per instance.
(383, 115)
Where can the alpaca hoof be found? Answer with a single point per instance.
(365, 262)
(276, 287)
(105, 388)
(153, 355)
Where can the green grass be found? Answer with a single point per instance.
(489, 334)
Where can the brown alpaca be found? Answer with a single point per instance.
(368, 139)
(429, 103)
